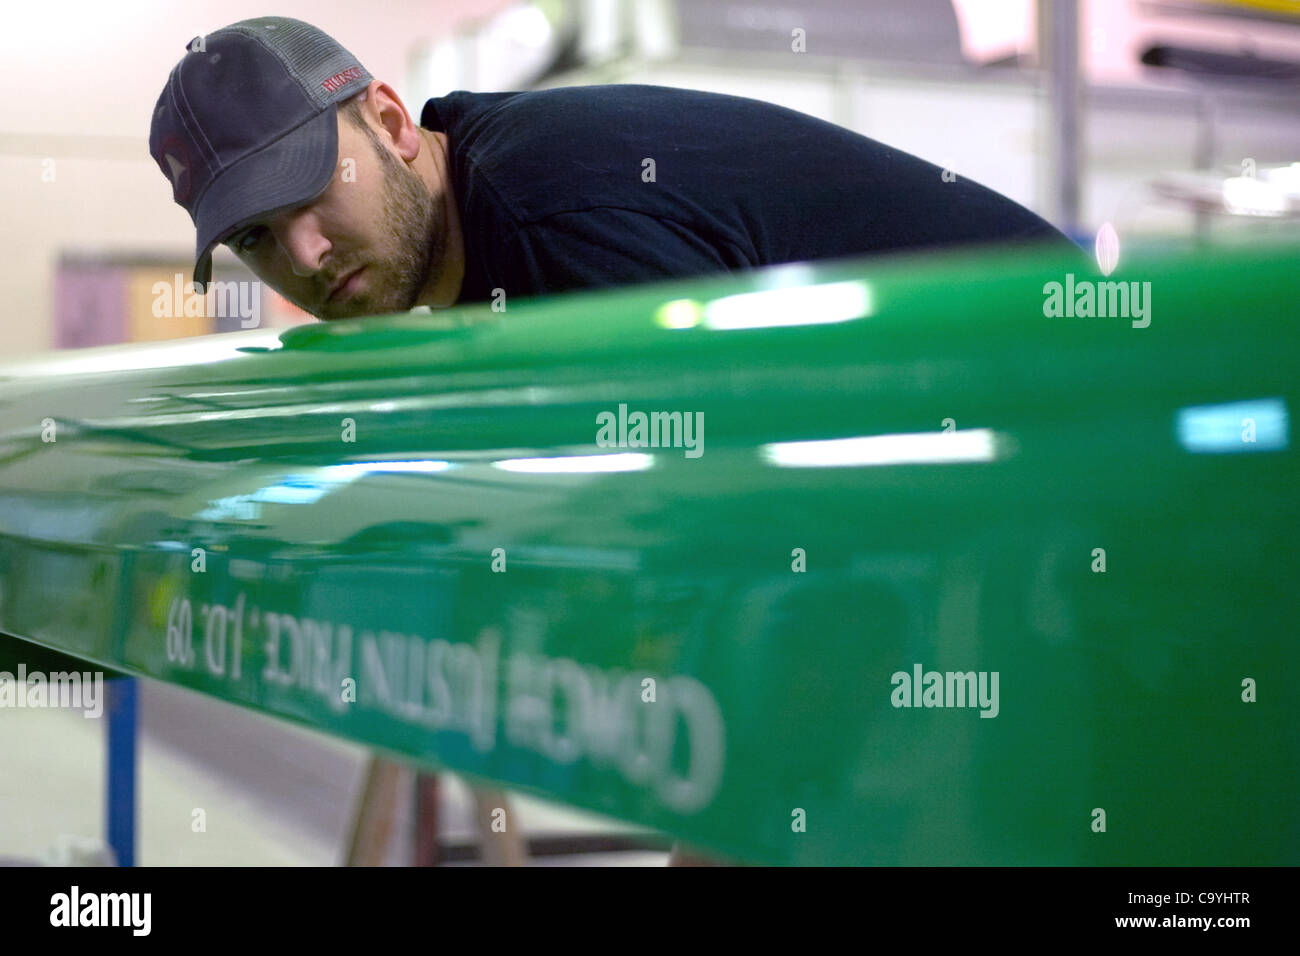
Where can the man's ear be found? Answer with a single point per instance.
(392, 115)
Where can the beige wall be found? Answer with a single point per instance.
(83, 78)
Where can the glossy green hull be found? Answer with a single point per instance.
(776, 732)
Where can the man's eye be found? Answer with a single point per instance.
(248, 241)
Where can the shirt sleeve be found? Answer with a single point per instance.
(607, 246)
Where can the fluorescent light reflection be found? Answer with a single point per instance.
(1234, 427)
(922, 448)
(795, 305)
(355, 469)
(303, 488)
(577, 464)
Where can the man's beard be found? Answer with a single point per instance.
(415, 237)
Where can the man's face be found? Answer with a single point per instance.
(379, 217)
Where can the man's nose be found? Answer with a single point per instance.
(299, 237)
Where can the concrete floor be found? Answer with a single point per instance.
(273, 794)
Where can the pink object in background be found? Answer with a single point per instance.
(1114, 33)
(89, 305)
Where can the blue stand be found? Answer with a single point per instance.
(119, 797)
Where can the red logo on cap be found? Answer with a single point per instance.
(339, 79)
(176, 164)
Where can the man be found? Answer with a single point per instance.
(281, 145)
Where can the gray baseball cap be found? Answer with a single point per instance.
(248, 124)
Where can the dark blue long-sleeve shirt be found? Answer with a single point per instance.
(608, 185)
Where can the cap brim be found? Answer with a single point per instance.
(293, 170)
